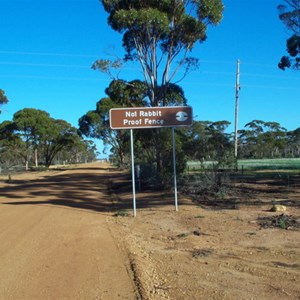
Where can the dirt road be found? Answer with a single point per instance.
(55, 241)
(60, 239)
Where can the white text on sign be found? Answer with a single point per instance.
(142, 113)
(144, 120)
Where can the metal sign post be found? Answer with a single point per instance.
(133, 173)
(150, 117)
(174, 169)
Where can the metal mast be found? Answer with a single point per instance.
(237, 90)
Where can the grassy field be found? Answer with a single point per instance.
(270, 164)
(292, 164)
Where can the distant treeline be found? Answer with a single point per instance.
(34, 139)
(209, 141)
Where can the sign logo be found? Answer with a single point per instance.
(182, 116)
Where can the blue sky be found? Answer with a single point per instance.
(48, 46)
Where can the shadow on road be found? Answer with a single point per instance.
(82, 188)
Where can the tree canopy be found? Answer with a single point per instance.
(95, 123)
(156, 33)
(33, 135)
(289, 14)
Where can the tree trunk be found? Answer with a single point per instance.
(36, 157)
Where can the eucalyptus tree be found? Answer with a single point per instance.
(289, 14)
(160, 35)
(293, 143)
(31, 125)
(95, 123)
(274, 139)
(61, 136)
(219, 144)
(196, 141)
(262, 139)
(207, 140)
(252, 139)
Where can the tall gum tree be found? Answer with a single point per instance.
(31, 124)
(160, 34)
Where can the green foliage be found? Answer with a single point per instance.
(34, 135)
(95, 124)
(182, 235)
(282, 223)
(31, 124)
(121, 213)
(90, 125)
(210, 11)
(3, 98)
(106, 66)
(11, 145)
(149, 19)
(290, 15)
(127, 94)
(208, 141)
(293, 48)
(159, 35)
(173, 95)
(263, 139)
(157, 32)
(61, 135)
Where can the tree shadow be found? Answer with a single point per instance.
(85, 189)
(102, 190)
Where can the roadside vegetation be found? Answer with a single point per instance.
(34, 140)
(203, 180)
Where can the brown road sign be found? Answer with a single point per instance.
(150, 117)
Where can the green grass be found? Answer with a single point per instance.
(182, 235)
(199, 217)
(270, 164)
(254, 164)
(121, 213)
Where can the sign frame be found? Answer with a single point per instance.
(150, 117)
